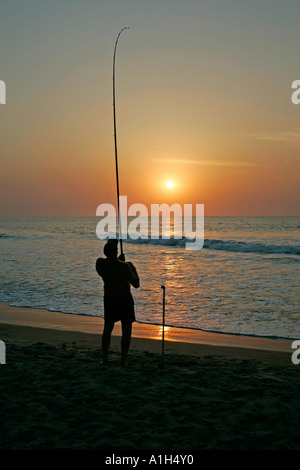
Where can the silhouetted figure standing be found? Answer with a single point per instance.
(117, 276)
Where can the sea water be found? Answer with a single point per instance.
(245, 280)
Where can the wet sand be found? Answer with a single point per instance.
(215, 391)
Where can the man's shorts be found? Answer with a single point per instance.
(119, 307)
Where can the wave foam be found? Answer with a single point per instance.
(224, 245)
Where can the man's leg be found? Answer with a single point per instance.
(126, 339)
(108, 327)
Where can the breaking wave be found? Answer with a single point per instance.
(210, 244)
(223, 245)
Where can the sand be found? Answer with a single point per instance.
(216, 392)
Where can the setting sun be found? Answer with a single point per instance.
(170, 184)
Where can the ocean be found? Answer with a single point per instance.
(245, 279)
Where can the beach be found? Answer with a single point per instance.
(215, 392)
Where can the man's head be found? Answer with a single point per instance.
(111, 249)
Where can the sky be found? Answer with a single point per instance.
(203, 99)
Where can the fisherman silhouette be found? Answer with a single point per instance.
(118, 276)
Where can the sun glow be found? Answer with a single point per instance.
(170, 184)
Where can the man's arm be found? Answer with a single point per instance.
(133, 275)
(99, 266)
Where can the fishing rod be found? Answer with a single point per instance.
(115, 138)
(162, 365)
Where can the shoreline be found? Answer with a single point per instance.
(28, 325)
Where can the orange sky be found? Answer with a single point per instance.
(203, 100)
